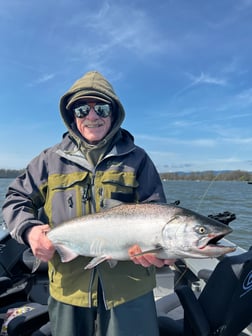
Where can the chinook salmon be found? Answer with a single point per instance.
(167, 230)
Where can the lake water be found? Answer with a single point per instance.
(214, 197)
(206, 198)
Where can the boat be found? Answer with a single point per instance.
(178, 292)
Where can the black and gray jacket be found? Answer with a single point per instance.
(61, 184)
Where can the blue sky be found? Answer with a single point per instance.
(182, 69)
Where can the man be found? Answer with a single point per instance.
(95, 161)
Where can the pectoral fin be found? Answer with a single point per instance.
(66, 254)
(98, 260)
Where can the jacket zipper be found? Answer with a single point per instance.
(92, 198)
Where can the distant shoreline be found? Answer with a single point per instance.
(10, 173)
(210, 175)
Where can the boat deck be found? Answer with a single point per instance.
(167, 301)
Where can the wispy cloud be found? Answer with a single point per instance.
(204, 78)
(199, 108)
(238, 140)
(245, 96)
(177, 141)
(236, 106)
(42, 79)
(137, 36)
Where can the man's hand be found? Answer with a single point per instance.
(147, 259)
(41, 246)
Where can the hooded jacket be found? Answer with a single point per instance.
(65, 182)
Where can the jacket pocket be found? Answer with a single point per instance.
(67, 197)
(120, 186)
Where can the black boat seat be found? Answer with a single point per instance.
(28, 316)
(22, 290)
(12, 291)
(224, 306)
(28, 322)
(5, 283)
(45, 330)
(170, 315)
(39, 291)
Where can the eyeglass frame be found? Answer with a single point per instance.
(82, 114)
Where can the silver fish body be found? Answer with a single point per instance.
(169, 231)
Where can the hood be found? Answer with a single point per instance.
(92, 84)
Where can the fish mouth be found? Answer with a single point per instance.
(211, 245)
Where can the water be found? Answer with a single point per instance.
(206, 198)
(214, 197)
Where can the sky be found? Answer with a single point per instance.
(181, 68)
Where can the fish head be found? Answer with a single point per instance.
(192, 235)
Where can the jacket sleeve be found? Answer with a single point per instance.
(150, 185)
(25, 197)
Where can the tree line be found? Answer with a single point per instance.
(10, 173)
(232, 175)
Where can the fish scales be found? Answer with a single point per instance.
(174, 232)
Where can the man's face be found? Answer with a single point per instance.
(93, 120)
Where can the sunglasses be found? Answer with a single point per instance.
(102, 110)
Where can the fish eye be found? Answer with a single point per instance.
(201, 229)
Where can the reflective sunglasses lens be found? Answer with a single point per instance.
(82, 111)
(103, 110)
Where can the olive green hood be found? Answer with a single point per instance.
(94, 85)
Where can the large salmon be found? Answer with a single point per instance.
(167, 230)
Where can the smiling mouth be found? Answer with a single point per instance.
(93, 125)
